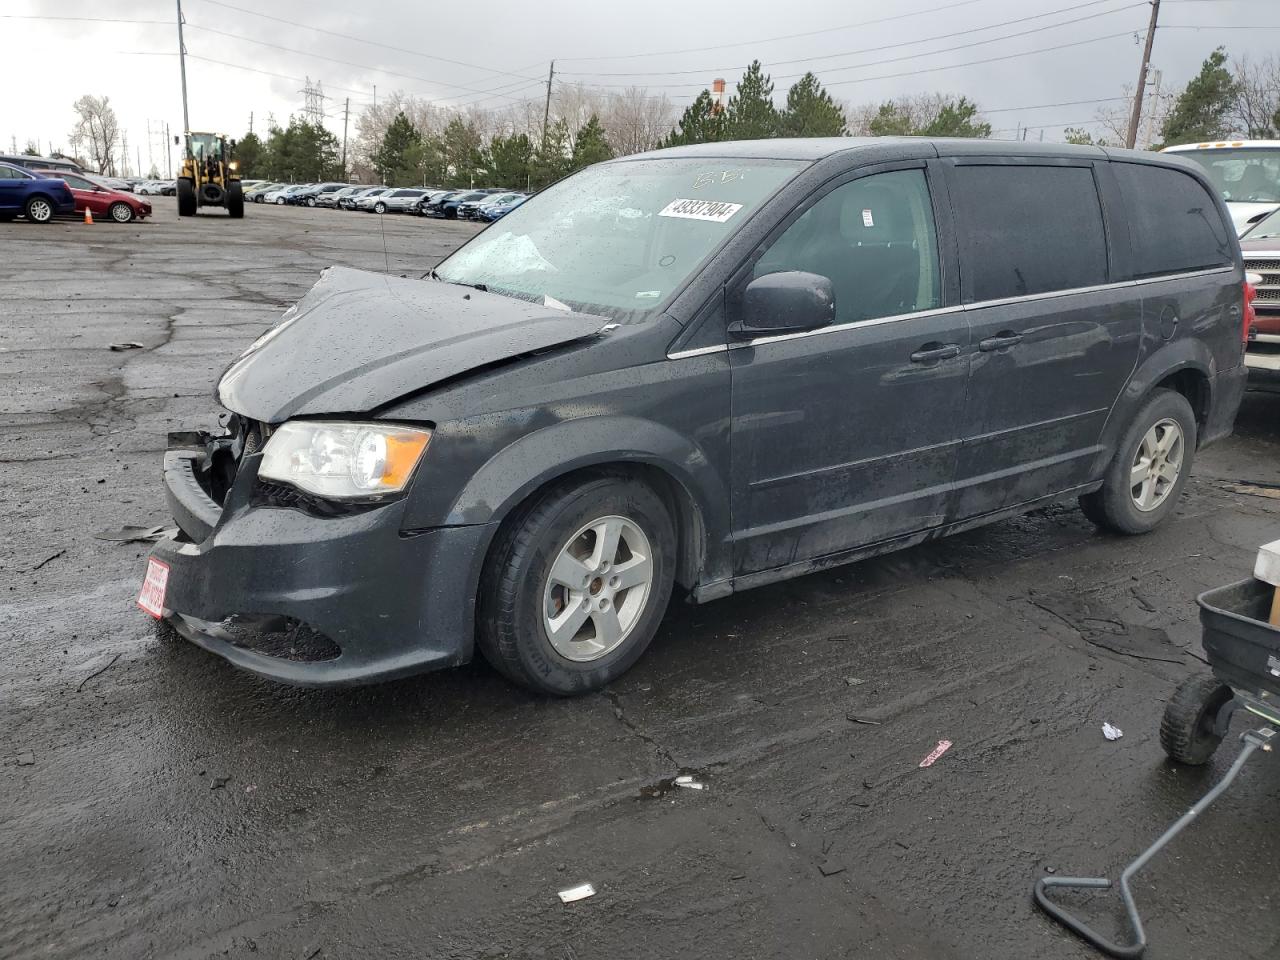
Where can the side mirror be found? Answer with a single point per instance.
(788, 302)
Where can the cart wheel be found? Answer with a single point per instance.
(1186, 729)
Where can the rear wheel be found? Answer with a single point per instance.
(121, 212)
(38, 210)
(235, 200)
(1150, 467)
(1187, 729)
(280, 201)
(576, 585)
(186, 198)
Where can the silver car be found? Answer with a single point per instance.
(367, 201)
(396, 201)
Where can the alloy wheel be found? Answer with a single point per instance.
(121, 213)
(597, 588)
(1156, 465)
(40, 211)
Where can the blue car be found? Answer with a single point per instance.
(496, 211)
(28, 194)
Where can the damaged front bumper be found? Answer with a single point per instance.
(315, 600)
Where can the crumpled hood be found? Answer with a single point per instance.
(359, 340)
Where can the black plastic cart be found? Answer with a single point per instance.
(1244, 655)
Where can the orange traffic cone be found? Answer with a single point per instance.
(88, 215)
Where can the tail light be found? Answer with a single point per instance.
(1251, 281)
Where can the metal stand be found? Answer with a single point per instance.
(1253, 739)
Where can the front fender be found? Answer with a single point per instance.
(538, 458)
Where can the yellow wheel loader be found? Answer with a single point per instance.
(209, 176)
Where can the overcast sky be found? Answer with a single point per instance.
(469, 50)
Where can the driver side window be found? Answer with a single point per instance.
(874, 239)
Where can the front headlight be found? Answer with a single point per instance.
(344, 460)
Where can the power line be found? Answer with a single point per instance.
(373, 43)
(32, 16)
(791, 36)
(902, 43)
(346, 63)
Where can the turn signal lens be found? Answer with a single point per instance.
(1251, 280)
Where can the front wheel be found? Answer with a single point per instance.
(1150, 467)
(576, 584)
(379, 208)
(121, 212)
(280, 201)
(186, 198)
(235, 200)
(311, 201)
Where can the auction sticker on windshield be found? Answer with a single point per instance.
(151, 599)
(716, 211)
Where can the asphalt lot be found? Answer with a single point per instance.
(154, 802)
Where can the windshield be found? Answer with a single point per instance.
(206, 145)
(1268, 228)
(618, 238)
(1247, 174)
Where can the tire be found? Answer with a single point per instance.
(120, 212)
(1166, 417)
(279, 201)
(38, 209)
(311, 201)
(520, 598)
(379, 208)
(235, 200)
(186, 198)
(1186, 729)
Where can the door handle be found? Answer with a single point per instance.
(1000, 341)
(931, 353)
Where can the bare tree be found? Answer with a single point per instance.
(97, 130)
(1257, 108)
(634, 120)
(917, 111)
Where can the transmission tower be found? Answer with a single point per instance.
(315, 98)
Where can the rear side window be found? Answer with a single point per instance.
(1026, 230)
(1174, 224)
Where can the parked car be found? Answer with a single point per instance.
(448, 206)
(331, 199)
(36, 197)
(496, 211)
(166, 188)
(32, 162)
(350, 201)
(395, 201)
(1245, 172)
(310, 197)
(429, 206)
(470, 209)
(258, 194)
(93, 194)
(282, 195)
(427, 199)
(742, 362)
(1261, 246)
(373, 196)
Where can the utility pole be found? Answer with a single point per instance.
(1155, 106)
(182, 64)
(1131, 135)
(546, 111)
(346, 115)
(168, 153)
(137, 171)
(251, 121)
(124, 155)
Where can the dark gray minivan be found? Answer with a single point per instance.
(714, 366)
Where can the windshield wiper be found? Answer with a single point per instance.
(483, 288)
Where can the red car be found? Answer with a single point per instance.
(101, 199)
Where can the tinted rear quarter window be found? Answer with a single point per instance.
(1174, 223)
(1027, 229)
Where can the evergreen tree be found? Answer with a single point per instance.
(750, 114)
(551, 161)
(250, 154)
(389, 158)
(463, 149)
(700, 123)
(1202, 112)
(508, 160)
(811, 112)
(890, 121)
(302, 152)
(590, 145)
(957, 119)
